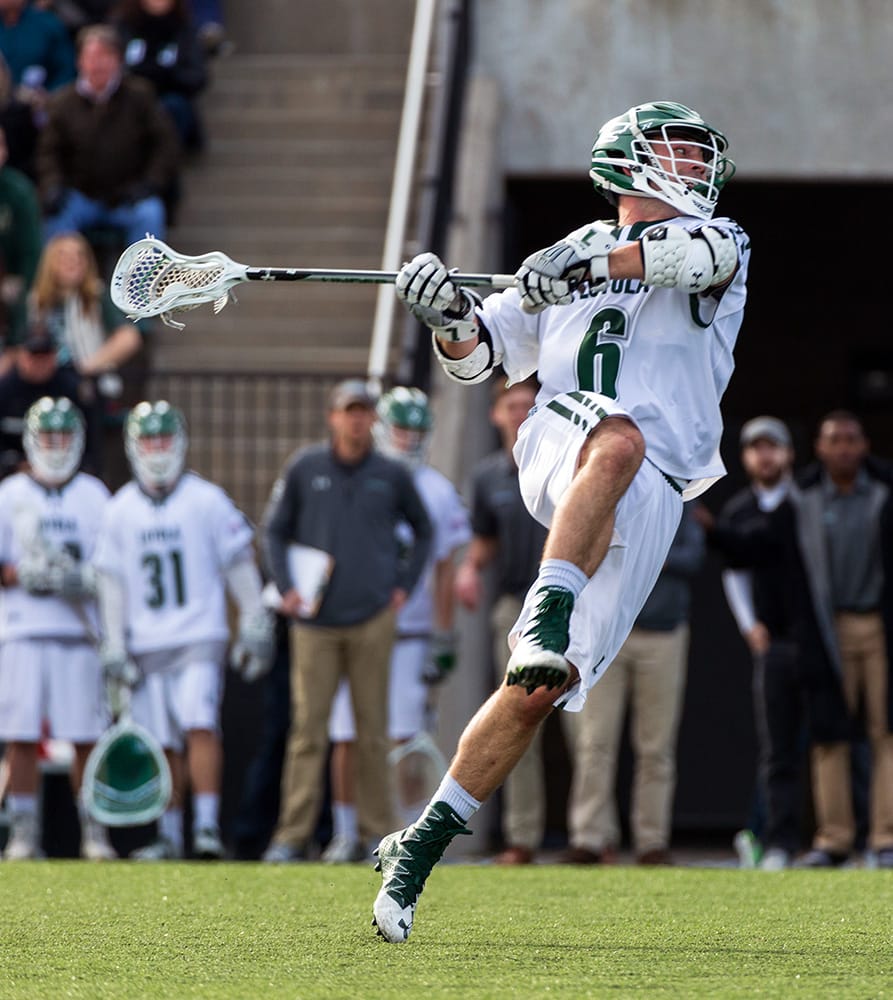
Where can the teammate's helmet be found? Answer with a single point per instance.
(127, 780)
(404, 422)
(53, 439)
(155, 440)
(624, 160)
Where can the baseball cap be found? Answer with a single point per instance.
(768, 428)
(350, 392)
(39, 340)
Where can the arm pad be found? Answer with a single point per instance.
(244, 584)
(694, 261)
(475, 367)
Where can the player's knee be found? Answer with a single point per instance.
(529, 710)
(618, 446)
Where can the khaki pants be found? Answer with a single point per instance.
(320, 657)
(524, 791)
(649, 672)
(863, 656)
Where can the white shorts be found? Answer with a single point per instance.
(172, 704)
(53, 679)
(407, 696)
(645, 524)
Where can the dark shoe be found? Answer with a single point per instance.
(584, 856)
(405, 860)
(658, 856)
(885, 857)
(514, 856)
(819, 858)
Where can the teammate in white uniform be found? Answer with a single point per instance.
(49, 666)
(424, 650)
(630, 325)
(171, 545)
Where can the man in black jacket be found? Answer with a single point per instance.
(345, 500)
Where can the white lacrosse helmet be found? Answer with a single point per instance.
(53, 439)
(403, 426)
(155, 440)
(624, 160)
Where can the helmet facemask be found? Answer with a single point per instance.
(663, 151)
(156, 443)
(53, 440)
(403, 426)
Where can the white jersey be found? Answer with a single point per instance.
(171, 555)
(34, 517)
(663, 354)
(450, 522)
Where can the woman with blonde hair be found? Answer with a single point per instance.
(91, 333)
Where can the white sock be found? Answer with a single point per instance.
(170, 826)
(560, 573)
(344, 820)
(205, 810)
(22, 805)
(455, 796)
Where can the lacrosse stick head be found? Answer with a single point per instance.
(151, 279)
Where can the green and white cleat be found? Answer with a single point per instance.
(405, 860)
(538, 657)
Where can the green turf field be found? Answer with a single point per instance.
(72, 929)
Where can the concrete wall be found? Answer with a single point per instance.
(801, 87)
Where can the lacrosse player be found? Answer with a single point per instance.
(424, 650)
(171, 546)
(49, 667)
(630, 325)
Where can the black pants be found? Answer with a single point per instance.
(780, 715)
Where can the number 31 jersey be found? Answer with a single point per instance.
(171, 556)
(665, 355)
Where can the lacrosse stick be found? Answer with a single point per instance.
(151, 279)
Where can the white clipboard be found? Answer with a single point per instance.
(310, 570)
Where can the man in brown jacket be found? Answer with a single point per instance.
(108, 152)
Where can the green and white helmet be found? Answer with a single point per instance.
(404, 422)
(624, 160)
(155, 440)
(53, 439)
(127, 780)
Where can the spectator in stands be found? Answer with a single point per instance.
(20, 241)
(36, 373)
(49, 668)
(508, 539)
(208, 18)
(77, 14)
(346, 500)
(108, 153)
(37, 48)
(18, 123)
(90, 332)
(648, 674)
(161, 44)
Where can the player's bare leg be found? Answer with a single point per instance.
(492, 743)
(205, 762)
(577, 544)
(24, 833)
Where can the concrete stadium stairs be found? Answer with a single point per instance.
(297, 172)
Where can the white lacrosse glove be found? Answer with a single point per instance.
(425, 286)
(120, 676)
(255, 649)
(549, 277)
(36, 574)
(441, 658)
(74, 581)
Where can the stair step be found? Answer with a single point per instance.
(285, 151)
(364, 212)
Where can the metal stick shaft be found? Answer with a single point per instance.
(366, 277)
